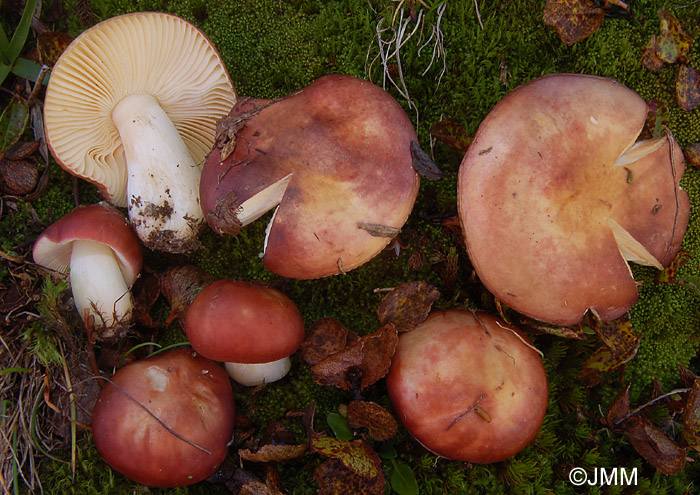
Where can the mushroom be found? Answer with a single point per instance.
(132, 107)
(167, 420)
(468, 386)
(556, 197)
(253, 329)
(334, 158)
(104, 256)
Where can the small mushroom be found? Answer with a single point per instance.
(132, 107)
(334, 158)
(253, 329)
(97, 248)
(556, 197)
(165, 421)
(468, 387)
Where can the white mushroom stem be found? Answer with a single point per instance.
(98, 284)
(251, 375)
(163, 180)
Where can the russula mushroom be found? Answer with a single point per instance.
(97, 248)
(556, 197)
(165, 421)
(253, 329)
(334, 158)
(132, 107)
(468, 386)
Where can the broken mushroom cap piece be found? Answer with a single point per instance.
(254, 329)
(468, 387)
(334, 158)
(556, 196)
(165, 421)
(132, 107)
(97, 248)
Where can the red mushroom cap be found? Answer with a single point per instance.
(236, 321)
(336, 157)
(98, 223)
(468, 386)
(190, 394)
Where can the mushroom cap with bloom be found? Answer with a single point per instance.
(556, 196)
(468, 386)
(189, 394)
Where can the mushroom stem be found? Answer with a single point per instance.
(98, 284)
(163, 180)
(255, 374)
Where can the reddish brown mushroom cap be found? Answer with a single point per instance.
(236, 321)
(555, 197)
(98, 223)
(190, 394)
(336, 156)
(468, 387)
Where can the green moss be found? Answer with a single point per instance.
(274, 47)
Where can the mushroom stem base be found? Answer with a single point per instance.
(254, 374)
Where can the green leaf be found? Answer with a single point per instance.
(20, 35)
(28, 70)
(13, 122)
(4, 44)
(403, 481)
(340, 426)
(4, 71)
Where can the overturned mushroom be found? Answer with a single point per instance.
(253, 329)
(335, 158)
(555, 197)
(96, 246)
(132, 107)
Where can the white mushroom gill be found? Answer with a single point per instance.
(98, 285)
(163, 179)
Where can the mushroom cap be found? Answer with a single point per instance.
(554, 199)
(344, 145)
(468, 386)
(240, 322)
(140, 53)
(190, 394)
(98, 223)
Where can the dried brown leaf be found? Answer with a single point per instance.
(423, 164)
(650, 59)
(408, 305)
(376, 230)
(180, 285)
(381, 424)
(334, 478)
(652, 444)
(18, 177)
(273, 453)
(573, 20)
(691, 417)
(50, 45)
(452, 133)
(361, 363)
(692, 155)
(355, 455)
(688, 88)
(257, 488)
(672, 44)
(619, 408)
(325, 337)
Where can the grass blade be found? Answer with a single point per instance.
(20, 35)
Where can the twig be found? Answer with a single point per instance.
(478, 14)
(651, 403)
